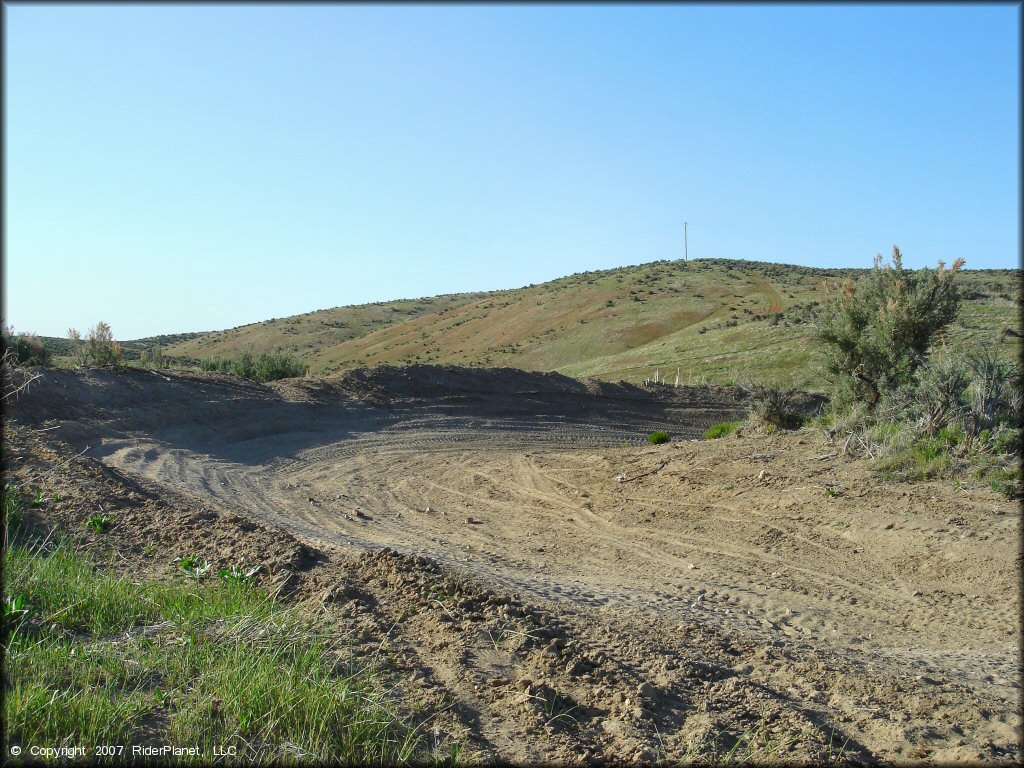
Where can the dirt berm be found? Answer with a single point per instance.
(550, 587)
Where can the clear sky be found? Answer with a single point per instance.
(185, 168)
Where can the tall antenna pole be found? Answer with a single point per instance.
(686, 241)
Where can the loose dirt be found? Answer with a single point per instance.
(546, 585)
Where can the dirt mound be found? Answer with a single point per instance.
(549, 586)
(448, 381)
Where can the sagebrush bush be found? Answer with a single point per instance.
(995, 392)
(973, 395)
(27, 349)
(721, 430)
(878, 331)
(773, 407)
(267, 366)
(98, 348)
(938, 395)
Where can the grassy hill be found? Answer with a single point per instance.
(717, 320)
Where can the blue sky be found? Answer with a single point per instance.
(193, 168)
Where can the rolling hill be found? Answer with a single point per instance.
(719, 321)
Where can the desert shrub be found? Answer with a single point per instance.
(974, 396)
(103, 350)
(26, 348)
(935, 398)
(79, 350)
(721, 430)
(267, 366)
(658, 437)
(878, 332)
(98, 348)
(1005, 439)
(153, 358)
(995, 391)
(773, 407)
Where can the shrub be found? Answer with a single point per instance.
(659, 437)
(99, 348)
(79, 350)
(878, 332)
(103, 350)
(26, 348)
(773, 407)
(268, 366)
(938, 398)
(995, 391)
(974, 396)
(1006, 439)
(721, 430)
(153, 358)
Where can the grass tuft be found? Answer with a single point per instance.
(721, 430)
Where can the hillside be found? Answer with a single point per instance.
(715, 320)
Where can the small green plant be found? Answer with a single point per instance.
(235, 575)
(656, 438)
(557, 709)
(37, 499)
(13, 513)
(14, 612)
(1007, 488)
(721, 430)
(98, 523)
(194, 566)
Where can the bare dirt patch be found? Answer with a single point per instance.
(546, 585)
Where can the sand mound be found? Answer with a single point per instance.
(580, 593)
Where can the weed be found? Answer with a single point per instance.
(194, 566)
(721, 430)
(14, 612)
(555, 708)
(13, 514)
(656, 438)
(98, 523)
(235, 575)
(773, 407)
(37, 499)
(757, 745)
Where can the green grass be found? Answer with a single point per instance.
(94, 658)
(656, 438)
(722, 429)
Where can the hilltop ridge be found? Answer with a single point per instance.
(719, 321)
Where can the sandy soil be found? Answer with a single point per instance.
(549, 586)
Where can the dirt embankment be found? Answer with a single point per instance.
(549, 586)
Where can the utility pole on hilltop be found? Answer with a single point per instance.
(686, 241)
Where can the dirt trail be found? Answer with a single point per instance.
(817, 593)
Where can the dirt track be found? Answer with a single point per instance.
(824, 600)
